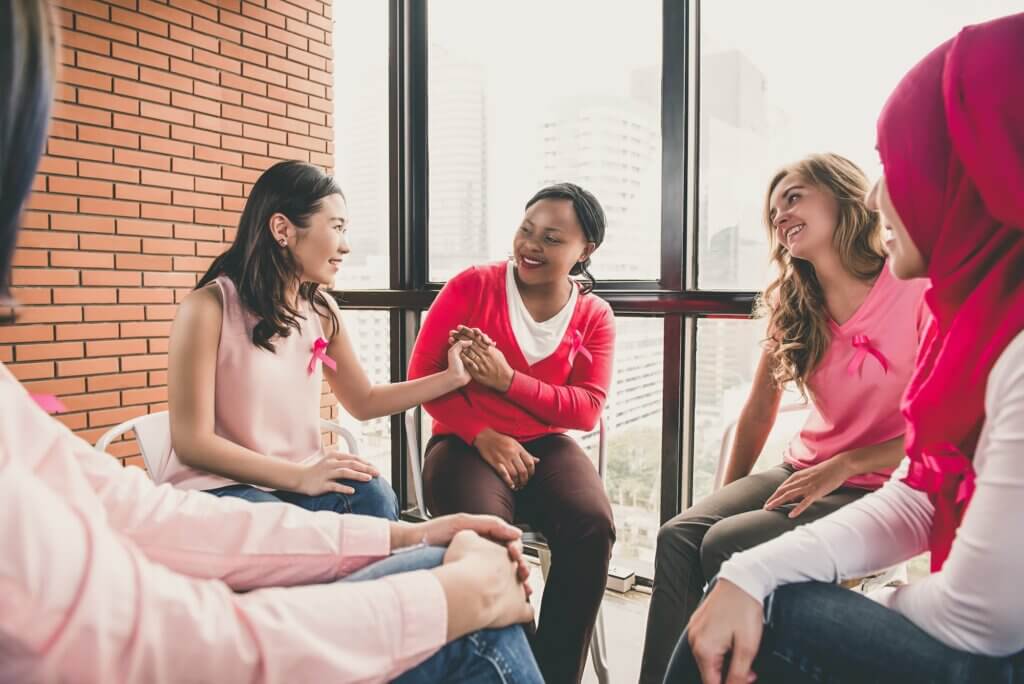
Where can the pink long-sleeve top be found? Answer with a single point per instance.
(563, 391)
(106, 577)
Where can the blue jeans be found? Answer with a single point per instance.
(817, 632)
(374, 498)
(501, 656)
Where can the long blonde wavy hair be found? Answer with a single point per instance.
(794, 303)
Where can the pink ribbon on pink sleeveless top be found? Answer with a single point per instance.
(939, 468)
(49, 403)
(319, 352)
(862, 343)
(576, 347)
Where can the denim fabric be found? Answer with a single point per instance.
(816, 632)
(374, 498)
(499, 656)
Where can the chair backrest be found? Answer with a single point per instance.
(788, 422)
(153, 435)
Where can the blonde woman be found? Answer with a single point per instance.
(844, 331)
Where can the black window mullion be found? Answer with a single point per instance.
(672, 429)
(673, 143)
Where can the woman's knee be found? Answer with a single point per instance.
(375, 498)
(723, 539)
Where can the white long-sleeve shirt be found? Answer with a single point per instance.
(105, 577)
(975, 603)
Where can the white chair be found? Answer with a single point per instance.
(891, 576)
(153, 435)
(531, 538)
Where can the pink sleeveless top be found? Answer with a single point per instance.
(264, 401)
(857, 386)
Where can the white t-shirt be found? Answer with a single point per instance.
(536, 340)
(975, 602)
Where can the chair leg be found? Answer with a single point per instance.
(599, 651)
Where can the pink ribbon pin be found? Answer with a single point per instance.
(941, 467)
(319, 348)
(49, 403)
(576, 347)
(862, 343)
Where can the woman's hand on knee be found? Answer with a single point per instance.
(727, 627)
(321, 477)
(514, 464)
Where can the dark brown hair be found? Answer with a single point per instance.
(261, 269)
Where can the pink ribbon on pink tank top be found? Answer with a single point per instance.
(49, 403)
(576, 347)
(319, 352)
(862, 343)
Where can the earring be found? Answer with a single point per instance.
(283, 243)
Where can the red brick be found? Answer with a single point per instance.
(81, 260)
(219, 124)
(196, 264)
(322, 77)
(114, 348)
(244, 145)
(234, 204)
(143, 194)
(98, 383)
(264, 45)
(263, 15)
(67, 148)
(241, 175)
(250, 101)
(158, 377)
(55, 165)
(146, 295)
(290, 95)
(114, 313)
(196, 71)
(140, 125)
(29, 257)
(85, 402)
(181, 247)
(195, 168)
(287, 36)
(84, 295)
(243, 23)
(79, 186)
(73, 421)
(108, 172)
(139, 21)
(144, 262)
(142, 91)
(168, 180)
(166, 13)
(244, 84)
(114, 416)
(161, 312)
(110, 243)
(184, 280)
(285, 152)
(90, 7)
(215, 154)
(81, 41)
(164, 146)
(111, 278)
(194, 135)
(58, 387)
(159, 346)
(105, 29)
(167, 47)
(147, 329)
(49, 351)
(304, 114)
(86, 367)
(110, 207)
(95, 98)
(290, 10)
(86, 331)
(302, 85)
(167, 212)
(108, 137)
(50, 314)
(266, 134)
(25, 333)
(106, 65)
(216, 218)
(144, 362)
(83, 224)
(145, 396)
(209, 248)
(165, 80)
(297, 27)
(244, 55)
(213, 28)
(144, 228)
(199, 40)
(218, 61)
(144, 159)
(46, 240)
(218, 94)
(153, 110)
(87, 79)
(289, 66)
(31, 371)
(219, 187)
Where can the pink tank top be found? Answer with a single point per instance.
(857, 387)
(264, 401)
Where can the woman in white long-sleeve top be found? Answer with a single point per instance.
(951, 139)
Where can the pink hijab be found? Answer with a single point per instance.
(951, 138)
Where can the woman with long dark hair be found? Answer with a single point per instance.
(250, 346)
(109, 578)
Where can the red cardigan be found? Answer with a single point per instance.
(564, 391)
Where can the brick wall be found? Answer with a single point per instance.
(166, 114)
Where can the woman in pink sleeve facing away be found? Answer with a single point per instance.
(541, 363)
(106, 577)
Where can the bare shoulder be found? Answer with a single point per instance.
(201, 307)
(332, 310)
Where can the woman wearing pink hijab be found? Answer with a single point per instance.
(951, 139)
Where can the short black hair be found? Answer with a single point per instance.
(588, 212)
(27, 68)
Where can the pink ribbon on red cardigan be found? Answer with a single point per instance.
(576, 347)
(939, 468)
(49, 403)
(862, 343)
(319, 352)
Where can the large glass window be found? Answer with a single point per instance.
(781, 80)
(528, 93)
(361, 139)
